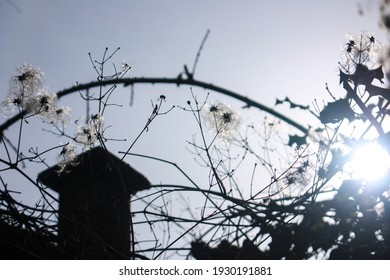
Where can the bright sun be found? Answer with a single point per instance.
(370, 162)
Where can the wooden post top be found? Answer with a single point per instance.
(98, 164)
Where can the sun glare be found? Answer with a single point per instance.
(370, 162)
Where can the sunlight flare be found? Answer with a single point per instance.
(370, 161)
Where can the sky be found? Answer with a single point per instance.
(260, 49)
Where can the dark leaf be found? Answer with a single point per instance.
(344, 78)
(384, 140)
(337, 111)
(378, 91)
(337, 163)
(362, 75)
(295, 139)
(278, 101)
(365, 76)
(349, 188)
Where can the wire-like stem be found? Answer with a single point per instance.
(199, 52)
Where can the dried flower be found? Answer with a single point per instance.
(90, 133)
(61, 115)
(359, 49)
(28, 80)
(297, 177)
(221, 119)
(15, 101)
(67, 157)
(297, 180)
(125, 67)
(43, 104)
(24, 86)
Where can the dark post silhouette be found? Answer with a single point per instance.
(94, 204)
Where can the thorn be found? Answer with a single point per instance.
(189, 75)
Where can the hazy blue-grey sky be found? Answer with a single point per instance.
(260, 49)
(253, 45)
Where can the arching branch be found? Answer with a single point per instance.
(176, 81)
